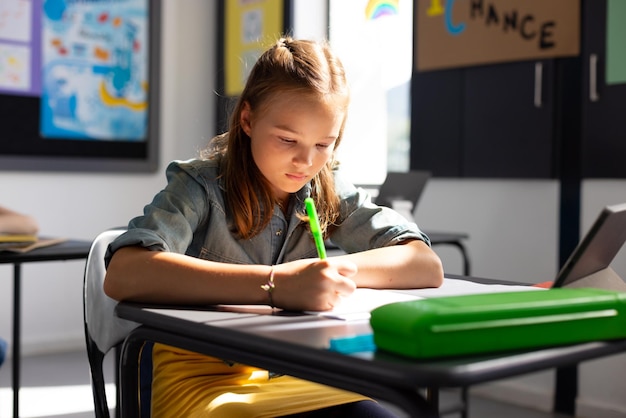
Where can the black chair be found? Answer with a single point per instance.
(402, 186)
(408, 187)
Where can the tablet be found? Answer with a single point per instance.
(589, 263)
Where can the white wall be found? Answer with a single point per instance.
(512, 224)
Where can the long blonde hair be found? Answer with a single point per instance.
(304, 67)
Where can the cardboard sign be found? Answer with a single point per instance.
(460, 33)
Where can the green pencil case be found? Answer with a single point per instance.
(485, 323)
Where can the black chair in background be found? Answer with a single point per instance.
(408, 187)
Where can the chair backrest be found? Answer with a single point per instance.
(103, 330)
(402, 186)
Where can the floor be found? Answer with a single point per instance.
(58, 386)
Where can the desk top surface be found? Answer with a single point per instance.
(66, 250)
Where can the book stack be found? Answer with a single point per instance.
(24, 243)
(16, 241)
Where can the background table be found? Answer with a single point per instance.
(67, 250)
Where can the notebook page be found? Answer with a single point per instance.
(360, 303)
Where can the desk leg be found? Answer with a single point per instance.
(566, 390)
(128, 378)
(466, 262)
(432, 397)
(15, 361)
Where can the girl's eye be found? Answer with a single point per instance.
(324, 146)
(287, 140)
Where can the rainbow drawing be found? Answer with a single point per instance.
(379, 8)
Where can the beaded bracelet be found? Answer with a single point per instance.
(269, 287)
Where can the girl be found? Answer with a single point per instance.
(229, 229)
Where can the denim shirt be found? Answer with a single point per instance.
(189, 217)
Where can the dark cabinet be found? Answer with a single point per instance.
(508, 120)
(603, 150)
(485, 121)
(437, 122)
(554, 118)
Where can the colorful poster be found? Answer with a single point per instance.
(250, 27)
(460, 33)
(95, 69)
(20, 47)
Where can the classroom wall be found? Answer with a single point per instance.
(80, 205)
(512, 224)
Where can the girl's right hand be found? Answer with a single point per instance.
(312, 284)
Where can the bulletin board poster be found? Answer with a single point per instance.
(20, 47)
(461, 33)
(94, 70)
(251, 26)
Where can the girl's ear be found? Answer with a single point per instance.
(244, 118)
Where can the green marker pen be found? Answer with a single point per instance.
(314, 222)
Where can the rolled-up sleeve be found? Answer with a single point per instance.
(169, 221)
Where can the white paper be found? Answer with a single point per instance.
(360, 303)
(363, 301)
(452, 287)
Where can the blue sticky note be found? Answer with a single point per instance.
(353, 344)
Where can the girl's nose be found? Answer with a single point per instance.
(304, 156)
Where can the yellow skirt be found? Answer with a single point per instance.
(187, 384)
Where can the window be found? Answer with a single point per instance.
(375, 42)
